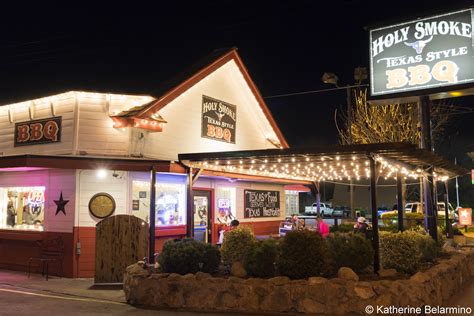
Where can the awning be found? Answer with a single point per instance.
(327, 163)
(21, 162)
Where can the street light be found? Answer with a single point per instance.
(360, 74)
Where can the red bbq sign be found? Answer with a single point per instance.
(36, 132)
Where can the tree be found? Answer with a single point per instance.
(388, 123)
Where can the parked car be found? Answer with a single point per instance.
(324, 208)
(416, 207)
(381, 210)
(342, 211)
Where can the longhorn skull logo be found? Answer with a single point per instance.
(220, 115)
(419, 45)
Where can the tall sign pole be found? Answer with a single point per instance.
(424, 105)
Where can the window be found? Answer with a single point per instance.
(22, 208)
(292, 202)
(170, 202)
(226, 205)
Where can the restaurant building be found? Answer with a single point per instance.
(69, 160)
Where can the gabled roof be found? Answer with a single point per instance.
(184, 81)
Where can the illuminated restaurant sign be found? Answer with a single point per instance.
(218, 120)
(433, 52)
(36, 132)
(259, 203)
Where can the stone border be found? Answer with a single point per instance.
(337, 296)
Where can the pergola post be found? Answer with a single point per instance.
(190, 206)
(318, 198)
(400, 208)
(373, 206)
(151, 248)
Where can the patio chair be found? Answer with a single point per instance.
(51, 251)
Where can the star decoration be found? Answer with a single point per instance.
(61, 203)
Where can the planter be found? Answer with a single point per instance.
(337, 296)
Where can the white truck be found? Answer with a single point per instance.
(324, 208)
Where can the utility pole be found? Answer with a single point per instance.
(457, 186)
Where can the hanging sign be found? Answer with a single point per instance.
(36, 132)
(433, 52)
(259, 203)
(218, 120)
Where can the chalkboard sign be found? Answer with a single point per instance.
(259, 203)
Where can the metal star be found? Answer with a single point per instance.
(61, 203)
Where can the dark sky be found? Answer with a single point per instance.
(132, 48)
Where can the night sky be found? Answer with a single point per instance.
(286, 46)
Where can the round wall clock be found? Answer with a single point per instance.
(102, 205)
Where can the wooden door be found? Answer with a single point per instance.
(120, 241)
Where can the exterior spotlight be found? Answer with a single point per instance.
(101, 173)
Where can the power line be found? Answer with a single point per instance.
(313, 91)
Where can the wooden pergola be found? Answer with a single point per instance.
(328, 163)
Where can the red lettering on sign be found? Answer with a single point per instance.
(36, 131)
(51, 131)
(227, 135)
(218, 132)
(211, 131)
(23, 134)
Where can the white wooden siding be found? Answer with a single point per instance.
(182, 133)
(88, 184)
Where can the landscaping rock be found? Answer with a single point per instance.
(387, 273)
(280, 280)
(420, 277)
(137, 270)
(347, 274)
(364, 292)
(317, 280)
(238, 270)
(201, 275)
(307, 305)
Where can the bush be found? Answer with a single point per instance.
(236, 244)
(343, 228)
(350, 250)
(261, 259)
(398, 252)
(406, 251)
(188, 256)
(303, 254)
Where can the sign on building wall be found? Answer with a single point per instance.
(35, 132)
(218, 120)
(259, 203)
(433, 52)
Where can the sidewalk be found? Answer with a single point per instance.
(55, 285)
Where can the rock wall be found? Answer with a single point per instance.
(337, 296)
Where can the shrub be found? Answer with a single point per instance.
(406, 251)
(350, 250)
(343, 228)
(303, 254)
(398, 252)
(261, 259)
(410, 220)
(188, 256)
(236, 244)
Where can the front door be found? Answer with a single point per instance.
(203, 215)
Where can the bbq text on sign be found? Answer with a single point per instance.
(218, 120)
(260, 203)
(35, 132)
(429, 53)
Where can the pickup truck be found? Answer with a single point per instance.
(324, 208)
